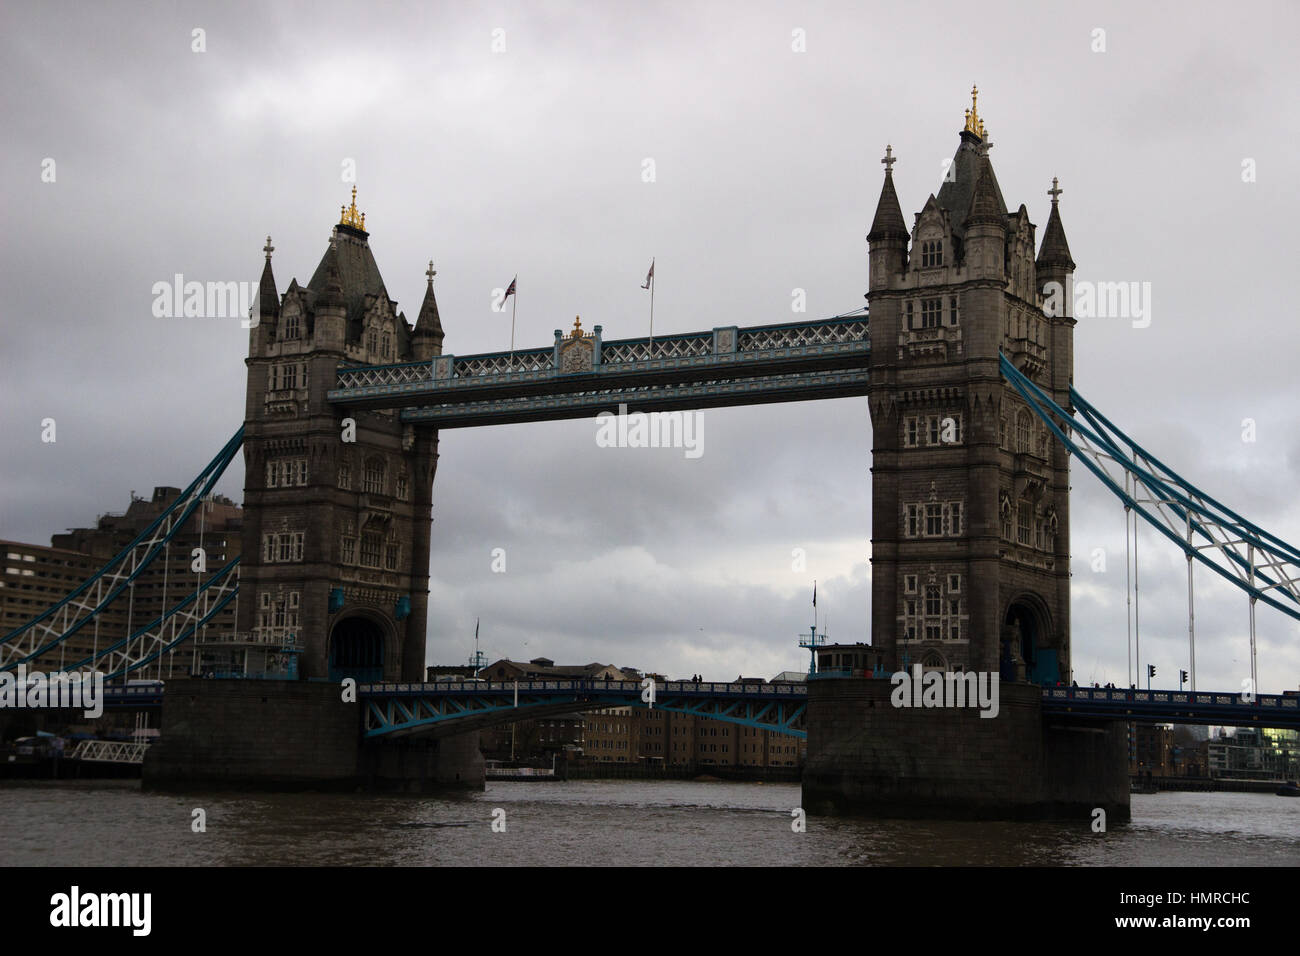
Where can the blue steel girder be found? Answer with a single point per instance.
(83, 605)
(824, 358)
(451, 707)
(1262, 565)
(1174, 706)
(588, 402)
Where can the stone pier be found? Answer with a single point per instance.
(869, 758)
(293, 735)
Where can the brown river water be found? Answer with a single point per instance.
(594, 822)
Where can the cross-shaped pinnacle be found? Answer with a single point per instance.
(431, 272)
(889, 160)
(1055, 191)
(268, 248)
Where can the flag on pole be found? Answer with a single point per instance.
(510, 291)
(649, 276)
(814, 594)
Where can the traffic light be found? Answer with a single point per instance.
(1151, 670)
(1182, 678)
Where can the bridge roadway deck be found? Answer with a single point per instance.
(456, 702)
(1174, 706)
(447, 707)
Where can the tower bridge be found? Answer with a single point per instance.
(966, 362)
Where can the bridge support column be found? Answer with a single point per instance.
(421, 764)
(869, 758)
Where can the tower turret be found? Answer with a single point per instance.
(268, 300)
(426, 341)
(887, 240)
(1054, 267)
(985, 227)
(330, 307)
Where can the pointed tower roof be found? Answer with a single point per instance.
(1054, 251)
(888, 222)
(984, 200)
(358, 273)
(968, 165)
(330, 294)
(268, 299)
(428, 321)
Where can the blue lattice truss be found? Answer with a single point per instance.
(451, 707)
(81, 609)
(1207, 531)
(734, 365)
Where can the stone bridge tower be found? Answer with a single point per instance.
(337, 512)
(970, 493)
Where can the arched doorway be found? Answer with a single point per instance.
(1025, 628)
(357, 650)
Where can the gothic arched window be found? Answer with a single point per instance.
(931, 253)
(373, 478)
(1022, 432)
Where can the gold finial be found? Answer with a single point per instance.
(350, 217)
(973, 122)
(577, 328)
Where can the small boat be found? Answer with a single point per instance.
(1289, 789)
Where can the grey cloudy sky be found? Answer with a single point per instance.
(529, 161)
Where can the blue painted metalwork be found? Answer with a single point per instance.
(150, 695)
(394, 708)
(14, 649)
(586, 402)
(1249, 554)
(824, 358)
(1174, 707)
(400, 709)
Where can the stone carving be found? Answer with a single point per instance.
(578, 355)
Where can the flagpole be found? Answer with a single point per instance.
(514, 302)
(652, 311)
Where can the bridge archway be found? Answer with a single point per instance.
(357, 648)
(933, 661)
(1026, 635)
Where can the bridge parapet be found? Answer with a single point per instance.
(612, 687)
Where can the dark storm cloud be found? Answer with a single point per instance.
(529, 162)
